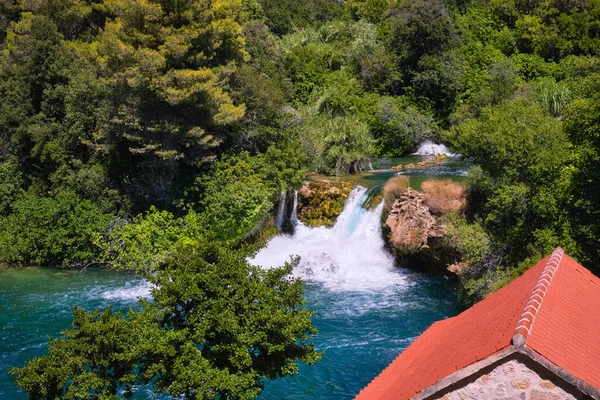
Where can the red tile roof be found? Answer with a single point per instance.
(555, 305)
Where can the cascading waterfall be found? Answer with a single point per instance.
(294, 214)
(366, 309)
(428, 148)
(280, 217)
(349, 256)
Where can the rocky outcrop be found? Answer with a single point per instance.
(321, 201)
(416, 234)
(412, 227)
(414, 222)
(425, 163)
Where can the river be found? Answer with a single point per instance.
(367, 310)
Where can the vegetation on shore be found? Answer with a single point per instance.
(130, 130)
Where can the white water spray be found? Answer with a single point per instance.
(294, 215)
(280, 217)
(428, 148)
(349, 256)
(128, 292)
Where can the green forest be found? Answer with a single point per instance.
(156, 136)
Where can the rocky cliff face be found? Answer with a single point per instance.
(413, 231)
(413, 223)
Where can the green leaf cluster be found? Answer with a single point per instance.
(216, 328)
(51, 231)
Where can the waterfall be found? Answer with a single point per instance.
(428, 148)
(280, 217)
(349, 256)
(294, 215)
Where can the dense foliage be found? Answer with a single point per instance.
(129, 129)
(216, 327)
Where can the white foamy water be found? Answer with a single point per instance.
(428, 148)
(129, 292)
(349, 256)
(279, 218)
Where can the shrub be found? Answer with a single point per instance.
(11, 182)
(444, 196)
(469, 241)
(399, 130)
(142, 244)
(237, 195)
(51, 231)
(393, 188)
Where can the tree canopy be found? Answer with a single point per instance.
(157, 135)
(216, 327)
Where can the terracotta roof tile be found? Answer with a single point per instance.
(555, 305)
(570, 329)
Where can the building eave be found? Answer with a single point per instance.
(472, 372)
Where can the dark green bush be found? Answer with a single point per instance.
(51, 231)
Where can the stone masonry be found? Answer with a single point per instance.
(511, 380)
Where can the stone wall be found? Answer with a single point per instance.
(511, 380)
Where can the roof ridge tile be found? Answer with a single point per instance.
(525, 324)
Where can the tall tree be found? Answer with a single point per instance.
(216, 328)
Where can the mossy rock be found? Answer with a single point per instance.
(321, 201)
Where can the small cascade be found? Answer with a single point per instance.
(294, 214)
(131, 291)
(429, 148)
(280, 217)
(349, 256)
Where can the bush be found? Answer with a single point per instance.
(347, 144)
(238, 195)
(399, 131)
(444, 196)
(11, 183)
(51, 231)
(393, 188)
(469, 241)
(142, 244)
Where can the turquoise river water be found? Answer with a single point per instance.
(367, 309)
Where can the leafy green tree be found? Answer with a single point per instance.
(514, 141)
(11, 185)
(239, 194)
(34, 71)
(347, 144)
(552, 29)
(439, 81)
(143, 243)
(369, 10)
(398, 131)
(522, 180)
(368, 56)
(216, 328)
(51, 231)
(419, 28)
(95, 358)
(284, 16)
(582, 124)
